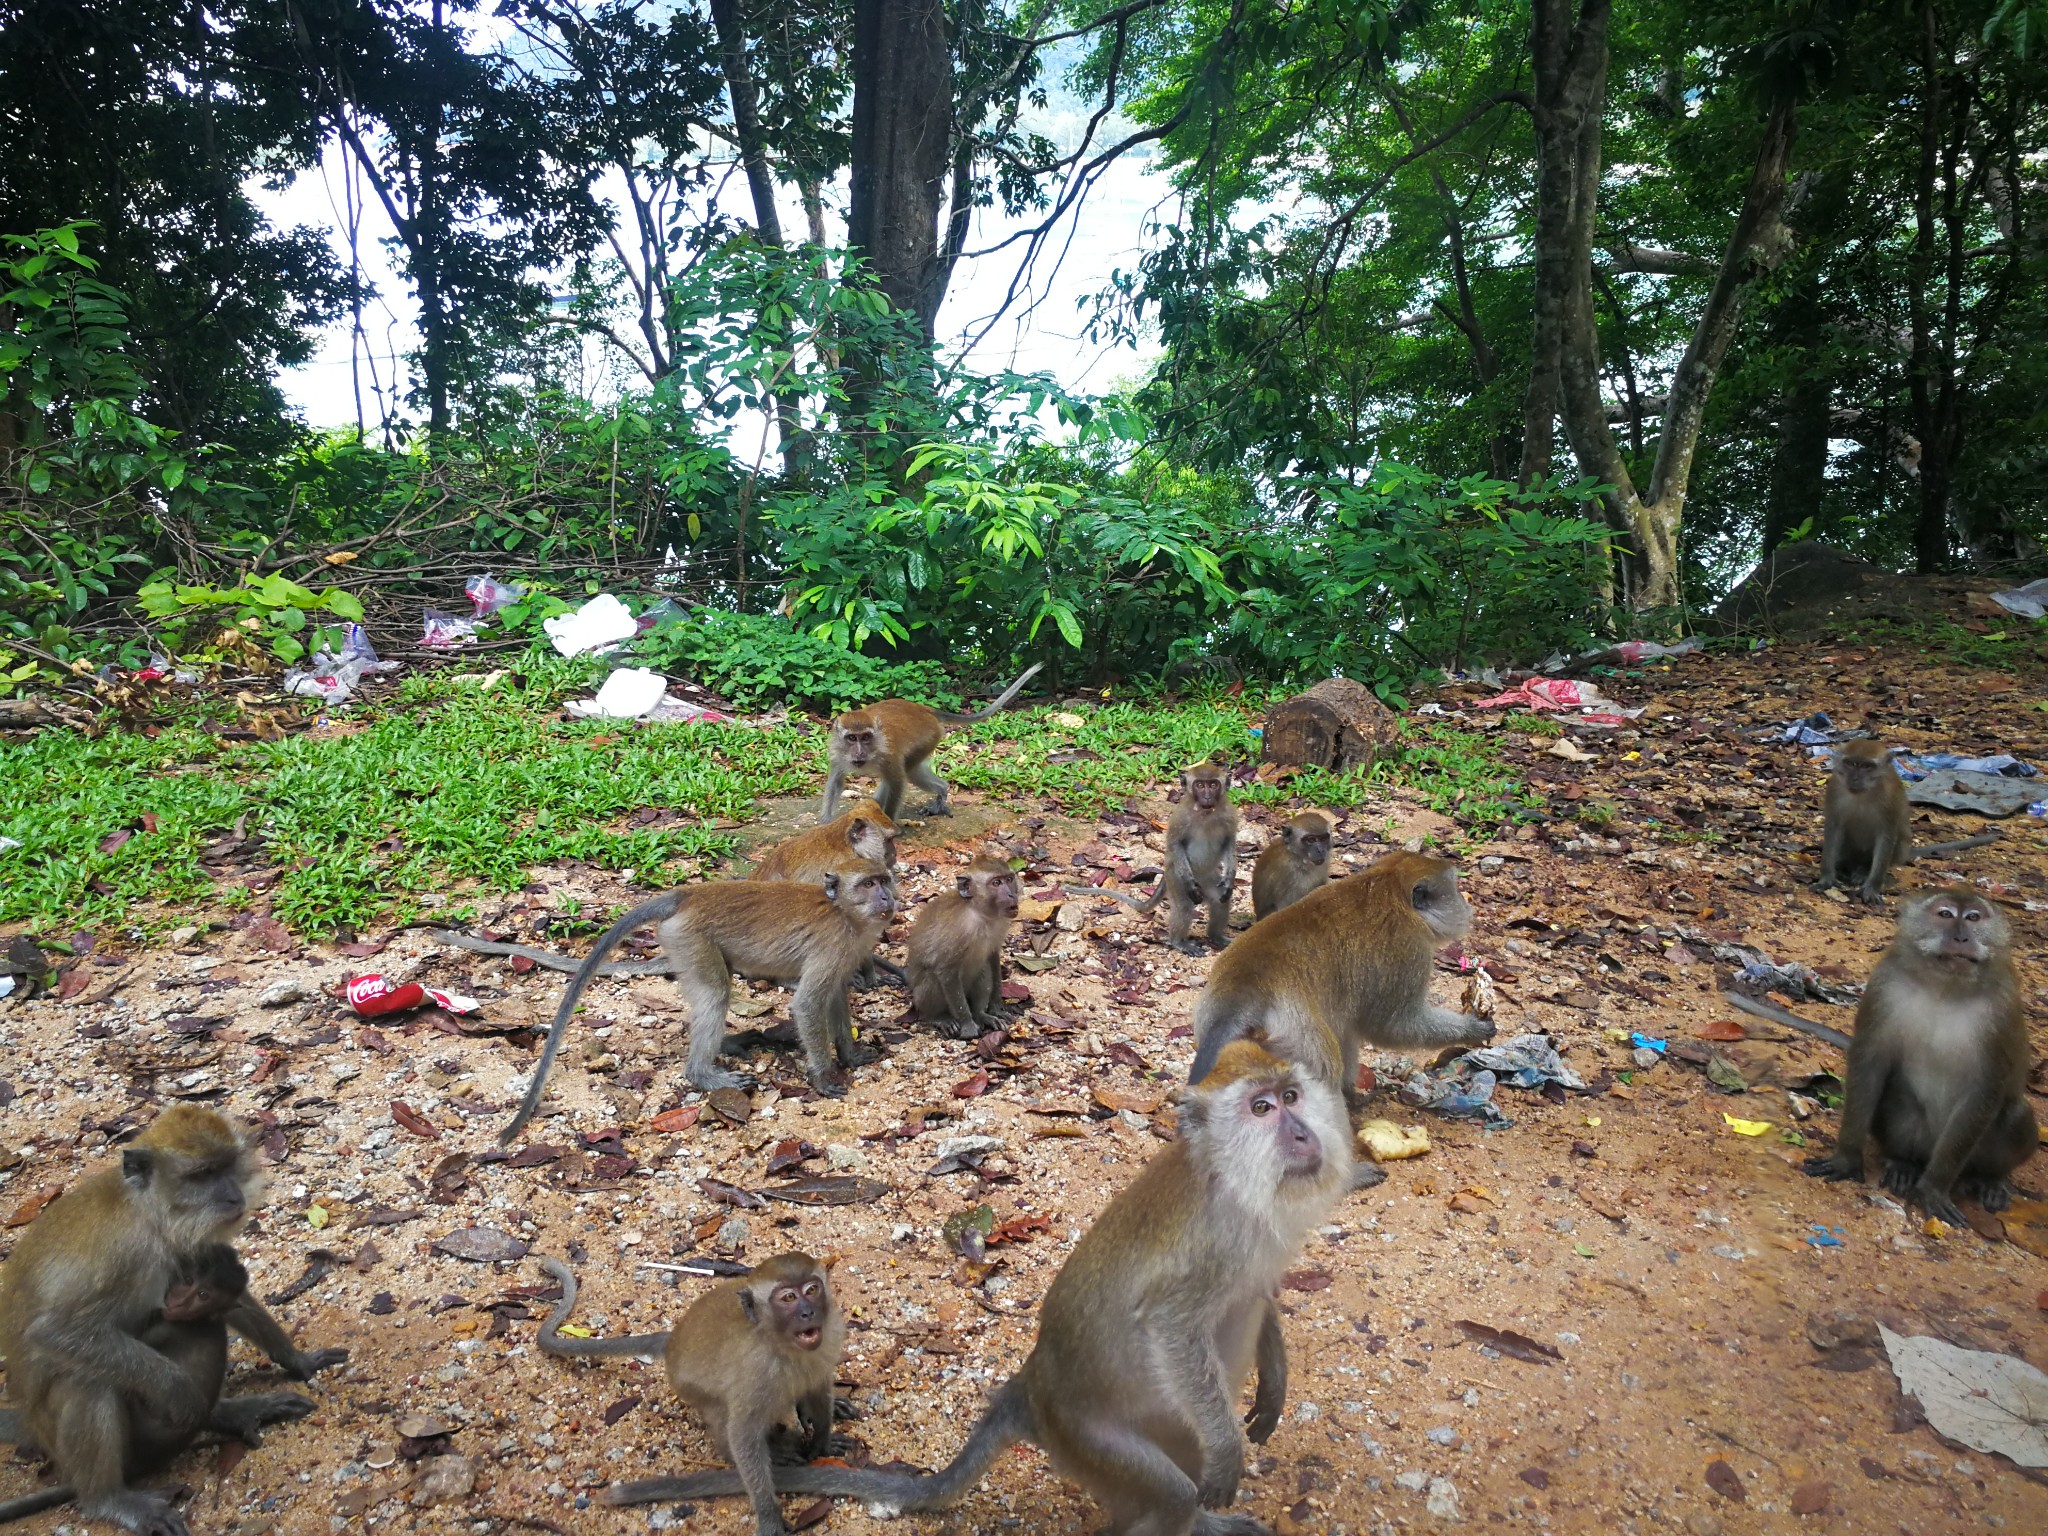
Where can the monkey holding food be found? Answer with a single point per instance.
(1938, 1062)
(114, 1311)
(1201, 859)
(813, 935)
(743, 1355)
(954, 956)
(893, 741)
(1347, 965)
(1154, 1323)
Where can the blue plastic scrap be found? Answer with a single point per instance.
(1826, 1237)
(1643, 1042)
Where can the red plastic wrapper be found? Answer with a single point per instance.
(372, 996)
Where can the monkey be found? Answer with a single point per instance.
(1938, 1062)
(1293, 864)
(893, 740)
(85, 1292)
(741, 1356)
(954, 956)
(1864, 827)
(1201, 859)
(864, 834)
(1151, 1327)
(813, 935)
(1345, 965)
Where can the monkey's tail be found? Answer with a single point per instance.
(1002, 698)
(35, 1503)
(547, 958)
(1008, 1420)
(1955, 847)
(653, 911)
(1135, 903)
(551, 1338)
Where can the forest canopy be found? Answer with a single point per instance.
(1482, 330)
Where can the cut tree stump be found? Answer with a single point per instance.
(1337, 724)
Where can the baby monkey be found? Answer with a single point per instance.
(1201, 859)
(954, 957)
(1864, 829)
(1292, 865)
(1938, 1063)
(742, 1356)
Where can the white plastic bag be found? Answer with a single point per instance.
(602, 621)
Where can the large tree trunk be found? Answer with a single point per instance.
(902, 141)
(1799, 472)
(1647, 523)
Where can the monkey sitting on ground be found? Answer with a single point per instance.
(954, 956)
(84, 1300)
(1938, 1063)
(1201, 859)
(1293, 864)
(813, 935)
(863, 835)
(893, 740)
(742, 1356)
(1153, 1324)
(1346, 965)
(1864, 828)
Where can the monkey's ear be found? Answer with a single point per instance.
(751, 1305)
(860, 825)
(832, 886)
(964, 885)
(137, 1164)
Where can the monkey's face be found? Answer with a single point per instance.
(1955, 929)
(199, 1199)
(1206, 789)
(1438, 901)
(868, 893)
(1000, 893)
(1859, 771)
(799, 1308)
(1310, 847)
(854, 740)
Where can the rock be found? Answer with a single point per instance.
(733, 1233)
(964, 1146)
(423, 1426)
(1412, 1480)
(282, 994)
(443, 1480)
(1704, 1524)
(1799, 575)
(845, 1158)
(481, 1245)
(1443, 1501)
(1834, 1328)
(1446, 1436)
(180, 937)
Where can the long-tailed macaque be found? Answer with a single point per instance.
(1938, 1062)
(114, 1327)
(893, 740)
(1347, 965)
(1152, 1326)
(1291, 865)
(1865, 827)
(813, 935)
(954, 956)
(742, 1356)
(864, 834)
(1201, 859)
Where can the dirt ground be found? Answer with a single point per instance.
(1669, 1261)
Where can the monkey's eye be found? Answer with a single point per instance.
(1973, 916)
(1291, 1096)
(785, 1298)
(1262, 1105)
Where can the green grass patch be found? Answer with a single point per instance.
(455, 790)
(2011, 645)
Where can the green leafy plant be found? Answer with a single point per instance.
(760, 660)
(268, 609)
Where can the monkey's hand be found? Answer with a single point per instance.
(1264, 1418)
(1836, 1168)
(312, 1362)
(827, 1084)
(1220, 1477)
(243, 1418)
(1936, 1203)
(1872, 896)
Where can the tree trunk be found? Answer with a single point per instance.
(1556, 134)
(901, 146)
(1337, 724)
(1799, 472)
(1568, 128)
(1930, 533)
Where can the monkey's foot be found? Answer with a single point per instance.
(826, 1085)
(936, 808)
(1993, 1194)
(1209, 1523)
(1833, 1169)
(1367, 1176)
(144, 1513)
(1188, 947)
(958, 1029)
(718, 1077)
(859, 1056)
(792, 1448)
(1899, 1176)
(243, 1418)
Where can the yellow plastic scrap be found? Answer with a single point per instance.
(1746, 1127)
